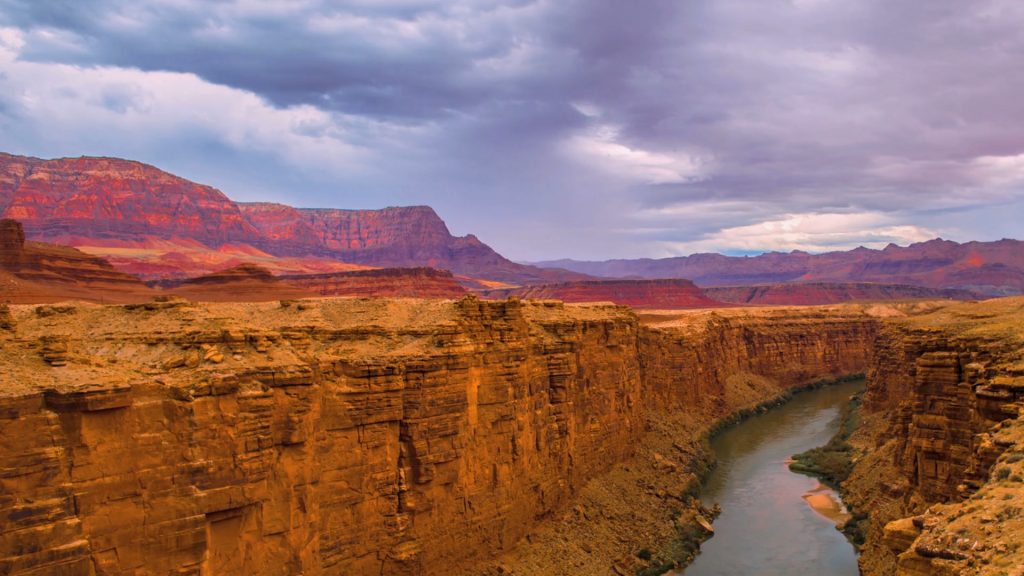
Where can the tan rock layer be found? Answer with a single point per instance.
(348, 436)
(946, 389)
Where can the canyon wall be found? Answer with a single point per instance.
(348, 436)
(940, 477)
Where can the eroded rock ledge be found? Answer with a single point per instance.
(943, 473)
(365, 436)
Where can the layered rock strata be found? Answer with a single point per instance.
(158, 225)
(658, 294)
(942, 476)
(39, 272)
(383, 282)
(352, 436)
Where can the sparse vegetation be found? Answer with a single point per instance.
(833, 462)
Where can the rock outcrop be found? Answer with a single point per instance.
(942, 476)
(352, 436)
(663, 294)
(39, 272)
(815, 293)
(242, 283)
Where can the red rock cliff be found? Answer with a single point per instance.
(411, 236)
(69, 199)
(109, 202)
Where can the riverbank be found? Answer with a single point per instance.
(766, 525)
(645, 516)
(701, 370)
(833, 463)
(827, 504)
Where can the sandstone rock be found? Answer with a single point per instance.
(54, 350)
(900, 534)
(68, 200)
(48, 273)
(940, 378)
(387, 282)
(413, 437)
(6, 318)
(661, 294)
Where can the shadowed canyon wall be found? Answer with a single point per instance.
(350, 436)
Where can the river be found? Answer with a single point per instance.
(766, 527)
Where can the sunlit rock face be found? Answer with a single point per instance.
(351, 436)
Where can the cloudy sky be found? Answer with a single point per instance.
(552, 128)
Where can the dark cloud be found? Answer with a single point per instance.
(564, 128)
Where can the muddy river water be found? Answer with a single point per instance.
(768, 525)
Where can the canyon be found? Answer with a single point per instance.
(347, 436)
(327, 391)
(417, 436)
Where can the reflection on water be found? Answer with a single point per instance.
(766, 527)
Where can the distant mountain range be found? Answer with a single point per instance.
(156, 225)
(991, 268)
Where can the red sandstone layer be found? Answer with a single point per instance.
(659, 294)
(158, 225)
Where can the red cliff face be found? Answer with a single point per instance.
(410, 236)
(252, 283)
(70, 199)
(159, 225)
(384, 282)
(673, 293)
